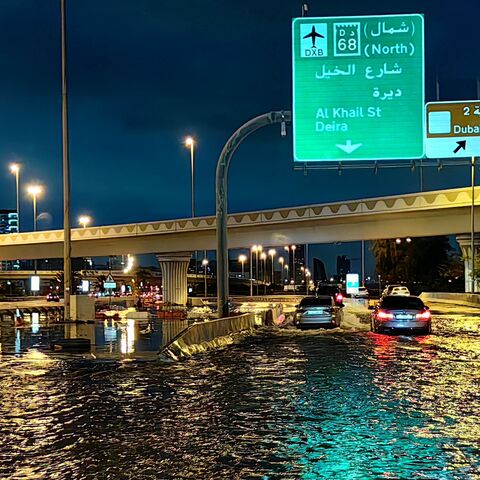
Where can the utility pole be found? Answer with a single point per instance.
(67, 263)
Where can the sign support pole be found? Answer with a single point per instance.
(472, 226)
(221, 183)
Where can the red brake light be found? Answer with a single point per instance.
(424, 315)
(339, 297)
(382, 315)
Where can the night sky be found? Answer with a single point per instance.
(145, 73)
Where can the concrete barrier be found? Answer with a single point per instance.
(204, 336)
(469, 299)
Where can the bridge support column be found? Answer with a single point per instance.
(465, 243)
(174, 268)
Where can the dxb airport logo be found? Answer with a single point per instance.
(313, 40)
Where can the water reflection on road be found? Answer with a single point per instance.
(344, 404)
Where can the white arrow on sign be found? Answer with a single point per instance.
(349, 147)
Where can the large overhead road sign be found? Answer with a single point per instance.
(453, 129)
(358, 88)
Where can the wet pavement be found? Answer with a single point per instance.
(282, 404)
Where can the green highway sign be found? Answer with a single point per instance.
(358, 88)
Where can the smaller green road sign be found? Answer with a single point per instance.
(453, 129)
(358, 88)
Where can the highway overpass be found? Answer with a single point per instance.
(443, 212)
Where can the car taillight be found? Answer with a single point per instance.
(382, 315)
(424, 315)
(339, 297)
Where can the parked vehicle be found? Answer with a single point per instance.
(399, 312)
(395, 290)
(362, 293)
(318, 312)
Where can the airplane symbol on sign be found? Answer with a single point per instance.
(313, 35)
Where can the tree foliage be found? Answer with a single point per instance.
(425, 260)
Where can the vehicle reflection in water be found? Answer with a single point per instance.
(278, 405)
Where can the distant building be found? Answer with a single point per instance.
(8, 221)
(319, 272)
(8, 224)
(343, 266)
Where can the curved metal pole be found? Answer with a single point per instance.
(221, 197)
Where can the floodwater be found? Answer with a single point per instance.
(282, 404)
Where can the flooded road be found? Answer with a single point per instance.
(282, 404)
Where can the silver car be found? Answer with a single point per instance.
(318, 312)
(398, 312)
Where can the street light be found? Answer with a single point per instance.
(34, 191)
(190, 143)
(242, 259)
(84, 220)
(15, 169)
(205, 263)
(263, 257)
(272, 252)
(257, 277)
(253, 249)
(281, 261)
(293, 248)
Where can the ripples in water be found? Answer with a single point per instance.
(279, 405)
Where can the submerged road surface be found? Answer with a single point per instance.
(343, 404)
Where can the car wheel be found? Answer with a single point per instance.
(428, 330)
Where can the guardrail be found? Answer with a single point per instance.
(202, 336)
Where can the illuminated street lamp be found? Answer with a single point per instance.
(84, 220)
(204, 264)
(15, 170)
(263, 257)
(242, 259)
(272, 252)
(190, 143)
(253, 249)
(34, 191)
(257, 275)
(281, 261)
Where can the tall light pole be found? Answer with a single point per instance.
(242, 259)
(281, 261)
(190, 143)
(84, 220)
(263, 257)
(257, 277)
(34, 191)
(253, 249)
(15, 169)
(67, 249)
(293, 247)
(271, 253)
(205, 263)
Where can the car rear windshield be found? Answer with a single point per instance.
(402, 302)
(316, 301)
